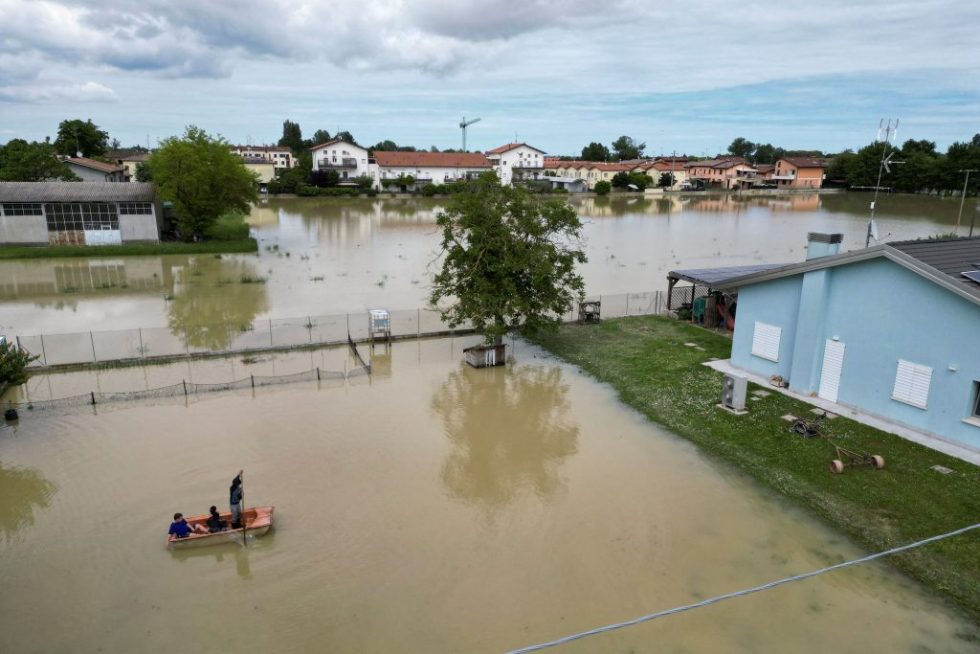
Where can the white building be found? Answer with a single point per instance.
(517, 161)
(69, 213)
(90, 170)
(350, 161)
(279, 156)
(429, 167)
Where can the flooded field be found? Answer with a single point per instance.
(427, 508)
(331, 256)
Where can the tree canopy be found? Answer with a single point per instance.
(292, 136)
(595, 152)
(319, 136)
(203, 179)
(741, 147)
(13, 364)
(83, 136)
(508, 259)
(21, 161)
(625, 148)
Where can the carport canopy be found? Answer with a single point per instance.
(713, 277)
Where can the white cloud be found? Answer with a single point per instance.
(57, 92)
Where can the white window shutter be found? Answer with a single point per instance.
(765, 341)
(912, 384)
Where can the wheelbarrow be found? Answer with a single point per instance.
(850, 459)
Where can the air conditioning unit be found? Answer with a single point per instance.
(733, 392)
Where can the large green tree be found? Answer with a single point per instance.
(21, 161)
(741, 147)
(203, 179)
(292, 136)
(83, 136)
(509, 259)
(625, 148)
(319, 136)
(595, 152)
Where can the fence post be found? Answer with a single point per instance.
(309, 327)
(318, 373)
(253, 380)
(627, 305)
(270, 332)
(95, 359)
(92, 395)
(142, 351)
(184, 382)
(418, 322)
(44, 356)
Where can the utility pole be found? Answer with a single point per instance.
(963, 197)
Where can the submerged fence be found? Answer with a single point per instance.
(178, 340)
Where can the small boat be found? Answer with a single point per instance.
(258, 521)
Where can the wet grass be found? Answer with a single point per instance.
(128, 249)
(645, 359)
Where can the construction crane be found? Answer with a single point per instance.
(463, 124)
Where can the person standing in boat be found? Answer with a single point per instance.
(235, 500)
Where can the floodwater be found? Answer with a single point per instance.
(332, 256)
(429, 508)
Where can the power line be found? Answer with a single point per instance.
(739, 593)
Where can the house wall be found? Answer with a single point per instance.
(265, 171)
(521, 157)
(774, 303)
(90, 175)
(335, 153)
(882, 312)
(23, 230)
(802, 177)
(139, 228)
(436, 175)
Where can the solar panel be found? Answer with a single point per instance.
(972, 275)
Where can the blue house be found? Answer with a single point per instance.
(892, 331)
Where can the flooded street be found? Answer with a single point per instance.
(332, 256)
(428, 508)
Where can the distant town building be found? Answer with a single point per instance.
(799, 172)
(724, 173)
(69, 213)
(517, 161)
(348, 160)
(264, 169)
(431, 167)
(128, 160)
(91, 170)
(279, 156)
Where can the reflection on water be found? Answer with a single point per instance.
(221, 555)
(325, 256)
(23, 491)
(214, 300)
(509, 432)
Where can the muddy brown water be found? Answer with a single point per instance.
(429, 508)
(329, 256)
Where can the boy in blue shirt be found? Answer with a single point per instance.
(181, 529)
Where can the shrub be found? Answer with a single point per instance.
(429, 190)
(13, 364)
(230, 226)
(602, 187)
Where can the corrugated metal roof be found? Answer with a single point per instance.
(77, 192)
(713, 276)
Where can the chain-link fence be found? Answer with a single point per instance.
(160, 343)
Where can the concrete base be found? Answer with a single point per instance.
(731, 411)
(930, 440)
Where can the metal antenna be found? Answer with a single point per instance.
(463, 124)
(886, 132)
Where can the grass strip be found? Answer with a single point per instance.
(648, 362)
(128, 249)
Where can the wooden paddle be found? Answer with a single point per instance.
(241, 476)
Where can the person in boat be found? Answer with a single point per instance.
(235, 500)
(180, 528)
(215, 523)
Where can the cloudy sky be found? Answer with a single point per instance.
(687, 75)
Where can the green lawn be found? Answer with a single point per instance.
(646, 361)
(128, 249)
